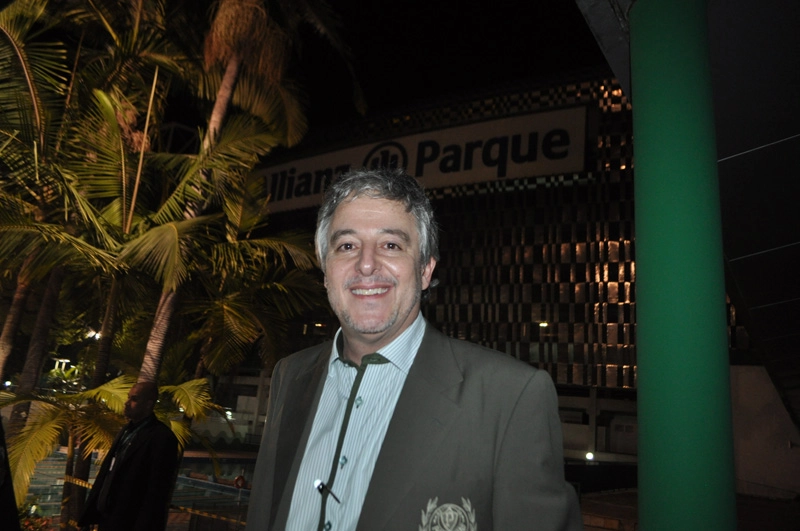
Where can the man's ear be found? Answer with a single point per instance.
(427, 273)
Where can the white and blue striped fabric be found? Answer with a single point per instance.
(372, 408)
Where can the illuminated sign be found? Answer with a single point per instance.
(539, 144)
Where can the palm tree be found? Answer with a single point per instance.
(247, 51)
(247, 287)
(14, 315)
(38, 228)
(77, 176)
(34, 186)
(38, 111)
(124, 48)
(127, 69)
(132, 47)
(31, 84)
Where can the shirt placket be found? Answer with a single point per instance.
(353, 400)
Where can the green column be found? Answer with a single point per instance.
(686, 477)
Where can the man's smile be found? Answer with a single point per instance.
(369, 291)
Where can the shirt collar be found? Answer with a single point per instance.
(400, 352)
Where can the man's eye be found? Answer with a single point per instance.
(346, 247)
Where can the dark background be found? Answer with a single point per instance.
(414, 51)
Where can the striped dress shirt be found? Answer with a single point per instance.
(347, 433)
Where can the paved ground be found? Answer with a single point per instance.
(211, 506)
(618, 510)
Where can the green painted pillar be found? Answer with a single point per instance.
(686, 475)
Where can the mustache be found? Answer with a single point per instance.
(372, 279)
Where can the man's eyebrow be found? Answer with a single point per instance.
(341, 232)
(403, 235)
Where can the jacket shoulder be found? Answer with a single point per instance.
(159, 432)
(306, 357)
(473, 355)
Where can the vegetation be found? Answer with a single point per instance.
(128, 255)
(94, 417)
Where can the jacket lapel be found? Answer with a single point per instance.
(422, 417)
(138, 443)
(300, 406)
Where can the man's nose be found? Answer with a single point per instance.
(367, 262)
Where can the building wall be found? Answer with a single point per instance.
(766, 443)
(543, 268)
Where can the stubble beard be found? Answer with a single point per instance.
(380, 327)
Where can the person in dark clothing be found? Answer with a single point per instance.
(133, 487)
(9, 519)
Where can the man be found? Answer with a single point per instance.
(134, 484)
(393, 425)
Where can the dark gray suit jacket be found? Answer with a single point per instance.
(475, 436)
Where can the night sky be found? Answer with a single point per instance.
(413, 51)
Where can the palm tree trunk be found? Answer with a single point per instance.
(77, 500)
(151, 364)
(68, 492)
(200, 368)
(224, 97)
(15, 312)
(107, 331)
(38, 347)
(73, 505)
(154, 352)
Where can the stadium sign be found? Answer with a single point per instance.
(540, 144)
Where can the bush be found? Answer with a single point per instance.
(30, 521)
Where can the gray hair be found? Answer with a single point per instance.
(380, 183)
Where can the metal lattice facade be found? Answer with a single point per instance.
(543, 268)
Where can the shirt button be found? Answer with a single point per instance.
(342, 461)
(359, 401)
(328, 526)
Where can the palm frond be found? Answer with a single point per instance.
(112, 394)
(34, 443)
(292, 293)
(288, 249)
(33, 74)
(9, 399)
(163, 251)
(294, 105)
(215, 176)
(281, 107)
(99, 228)
(233, 324)
(193, 398)
(51, 244)
(100, 160)
(182, 430)
(96, 428)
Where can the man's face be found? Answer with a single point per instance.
(138, 407)
(372, 271)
